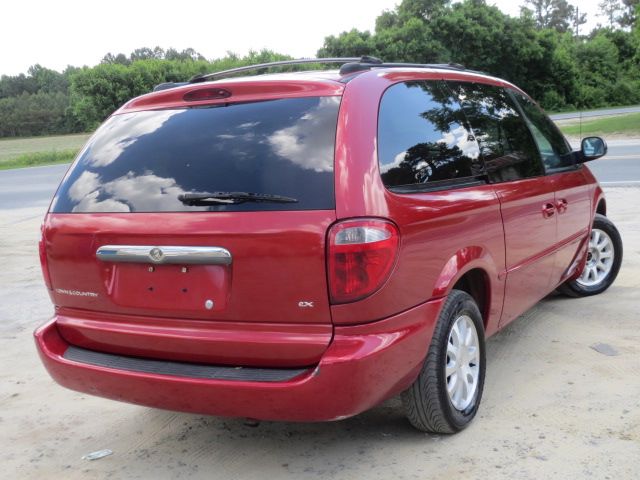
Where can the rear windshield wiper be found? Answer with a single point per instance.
(208, 198)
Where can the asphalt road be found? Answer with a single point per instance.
(595, 113)
(35, 186)
(29, 187)
(621, 166)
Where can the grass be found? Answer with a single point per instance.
(33, 151)
(628, 124)
(39, 158)
(573, 110)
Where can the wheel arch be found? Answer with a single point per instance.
(474, 271)
(599, 204)
(476, 283)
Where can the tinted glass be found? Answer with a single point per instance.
(506, 144)
(554, 149)
(142, 162)
(422, 139)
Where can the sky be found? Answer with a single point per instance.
(57, 33)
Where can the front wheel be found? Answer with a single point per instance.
(604, 257)
(446, 395)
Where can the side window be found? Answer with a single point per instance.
(554, 149)
(506, 145)
(423, 142)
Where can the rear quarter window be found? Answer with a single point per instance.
(423, 142)
(143, 161)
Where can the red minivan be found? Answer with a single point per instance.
(303, 246)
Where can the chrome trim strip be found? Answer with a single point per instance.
(164, 254)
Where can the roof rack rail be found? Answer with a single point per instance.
(350, 65)
(264, 66)
(354, 67)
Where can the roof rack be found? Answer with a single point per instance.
(264, 66)
(350, 65)
(349, 68)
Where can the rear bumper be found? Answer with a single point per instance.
(363, 366)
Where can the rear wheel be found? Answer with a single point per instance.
(604, 257)
(446, 395)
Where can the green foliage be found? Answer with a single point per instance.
(348, 44)
(98, 91)
(537, 51)
(45, 101)
(39, 113)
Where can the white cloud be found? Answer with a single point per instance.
(128, 128)
(140, 193)
(301, 145)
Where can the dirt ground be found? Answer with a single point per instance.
(553, 407)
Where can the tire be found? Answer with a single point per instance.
(427, 402)
(604, 240)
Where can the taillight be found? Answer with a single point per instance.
(361, 255)
(42, 248)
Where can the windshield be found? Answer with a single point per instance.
(146, 161)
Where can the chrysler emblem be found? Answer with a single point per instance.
(156, 254)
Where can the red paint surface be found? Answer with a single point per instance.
(363, 366)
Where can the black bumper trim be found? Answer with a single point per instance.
(181, 369)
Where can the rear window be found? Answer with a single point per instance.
(143, 161)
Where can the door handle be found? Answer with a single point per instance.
(562, 205)
(548, 209)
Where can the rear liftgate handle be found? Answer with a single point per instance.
(164, 255)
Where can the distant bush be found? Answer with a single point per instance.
(47, 102)
(96, 92)
(41, 113)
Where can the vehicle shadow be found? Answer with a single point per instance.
(190, 445)
(194, 446)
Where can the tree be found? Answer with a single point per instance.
(41, 113)
(630, 13)
(120, 59)
(578, 20)
(353, 43)
(610, 10)
(96, 92)
(538, 52)
(48, 80)
(422, 9)
(142, 54)
(556, 14)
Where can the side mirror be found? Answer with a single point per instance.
(592, 148)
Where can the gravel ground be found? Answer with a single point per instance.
(553, 406)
